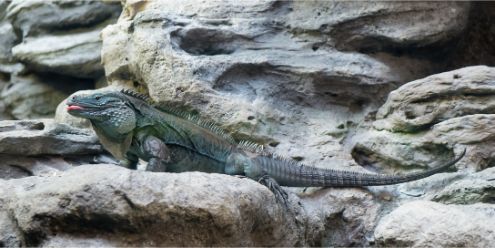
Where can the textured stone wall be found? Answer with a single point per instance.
(387, 86)
(49, 49)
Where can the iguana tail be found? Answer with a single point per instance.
(292, 174)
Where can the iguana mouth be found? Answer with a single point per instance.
(74, 107)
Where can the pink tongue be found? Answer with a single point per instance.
(73, 107)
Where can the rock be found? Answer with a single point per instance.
(38, 16)
(470, 129)
(381, 26)
(423, 120)
(475, 46)
(30, 97)
(475, 188)
(3, 8)
(420, 104)
(135, 208)
(44, 137)
(12, 167)
(71, 241)
(391, 152)
(225, 61)
(9, 69)
(340, 217)
(8, 39)
(76, 55)
(430, 224)
(9, 236)
(58, 43)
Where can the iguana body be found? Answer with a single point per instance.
(130, 128)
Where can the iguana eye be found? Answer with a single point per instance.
(98, 97)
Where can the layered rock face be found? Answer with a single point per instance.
(392, 86)
(49, 50)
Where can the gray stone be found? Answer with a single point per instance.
(135, 208)
(430, 224)
(422, 103)
(392, 152)
(380, 25)
(340, 217)
(8, 39)
(37, 16)
(44, 137)
(12, 166)
(475, 188)
(9, 236)
(3, 8)
(265, 69)
(12, 68)
(76, 55)
(30, 97)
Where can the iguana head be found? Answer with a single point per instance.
(111, 111)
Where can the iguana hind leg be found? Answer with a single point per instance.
(279, 193)
(158, 152)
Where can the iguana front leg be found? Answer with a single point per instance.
(158, 153)
(130, 162)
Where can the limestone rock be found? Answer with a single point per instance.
(58, 43)
(15, 166)
(37, 16)
(8, 39)
(135, 208)
(265, 69)
(8, 233)
(392, 152)
(422, 103)
(44, 137)
(430, 224)
(470, 129)
(475, 188)
(76, 55)
(30, 97)
(381, 25)
(340, 217)
(426, 120)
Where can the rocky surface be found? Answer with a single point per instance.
(29, 96)
(430, 119)
(135, 208)
(43, 147)
(267, 68)
(76, 55)
(332, 84)
(429, 224)
(422, 103)
(51, 47)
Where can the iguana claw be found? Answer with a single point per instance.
(279, 192)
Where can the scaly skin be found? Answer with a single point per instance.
(130, 128)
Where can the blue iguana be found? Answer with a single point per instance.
(130, 127)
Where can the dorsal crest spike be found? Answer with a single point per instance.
(199, 121)
(137, 95)
(251, 146)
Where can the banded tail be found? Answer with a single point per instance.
(292, 174)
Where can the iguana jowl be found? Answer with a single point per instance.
(130, 128)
